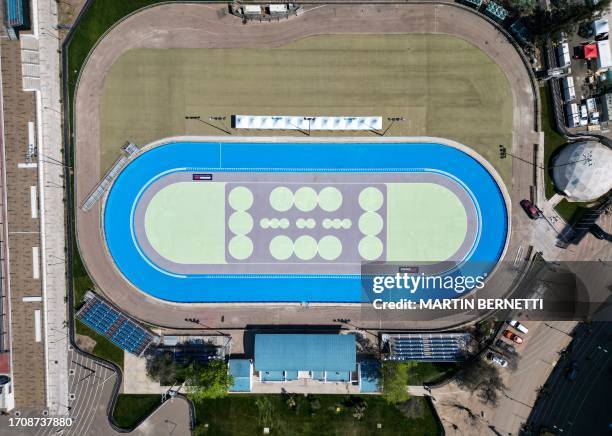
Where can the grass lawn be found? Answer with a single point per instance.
(427, 372)
(99, 17)
(131, 408)
(104, 348)
(567, 209)
(552, 140)
(239, 415)
(442, 85)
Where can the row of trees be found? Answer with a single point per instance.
(211, 379)
(562, 15)
(202, 381)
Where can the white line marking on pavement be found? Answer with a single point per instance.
(33, 201)
(35, 263)
(33, 299)
(37, 332)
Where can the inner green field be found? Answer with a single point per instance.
(185, 223)
(441, 85)
(429, 222)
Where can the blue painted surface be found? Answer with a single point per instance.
(284, 157)
(272, 376)
(305, 352)
(240, 369)
(369, 375)
(338, 376)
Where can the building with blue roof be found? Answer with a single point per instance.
(317, 363)
(329, 353)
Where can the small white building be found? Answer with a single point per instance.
(251, 9)
(572, 115)
(604, 59)
(600, 28)
(563, 55)
(278, 8)
(569, 91)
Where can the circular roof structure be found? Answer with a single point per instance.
(582, 170)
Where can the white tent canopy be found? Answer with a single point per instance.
(281, 122)
(604, 61)
(582, 170)
(601, 27)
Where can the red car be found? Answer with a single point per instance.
(530, 209)
(513, 337)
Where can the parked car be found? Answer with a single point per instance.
(517, 325)
(572, 371)
(530, 209)
(513, 336)
(508, 348)
(497, 360)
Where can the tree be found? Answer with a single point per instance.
(395, 382)
(209, 381)
(479, 376)
(525, 7)
(162, 368)
(564, 16)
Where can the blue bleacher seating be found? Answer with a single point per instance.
(118, 328)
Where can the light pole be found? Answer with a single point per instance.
(392, 120)
(220, 119)
(199, 118)
(310, 120)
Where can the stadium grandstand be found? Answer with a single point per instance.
(110, 323)
(201, 349)
(129, 150)
(307, 123)
(426, 347)
(496, 11)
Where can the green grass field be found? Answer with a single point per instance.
(442, 86)
(131, 408)
(239, 415)
(552, 140)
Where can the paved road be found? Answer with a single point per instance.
(581, 406)
(538, 357)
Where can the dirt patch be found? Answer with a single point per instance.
(85, 343)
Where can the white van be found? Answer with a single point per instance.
(520, 327)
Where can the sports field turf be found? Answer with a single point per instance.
(441, 85)
(185, 223)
